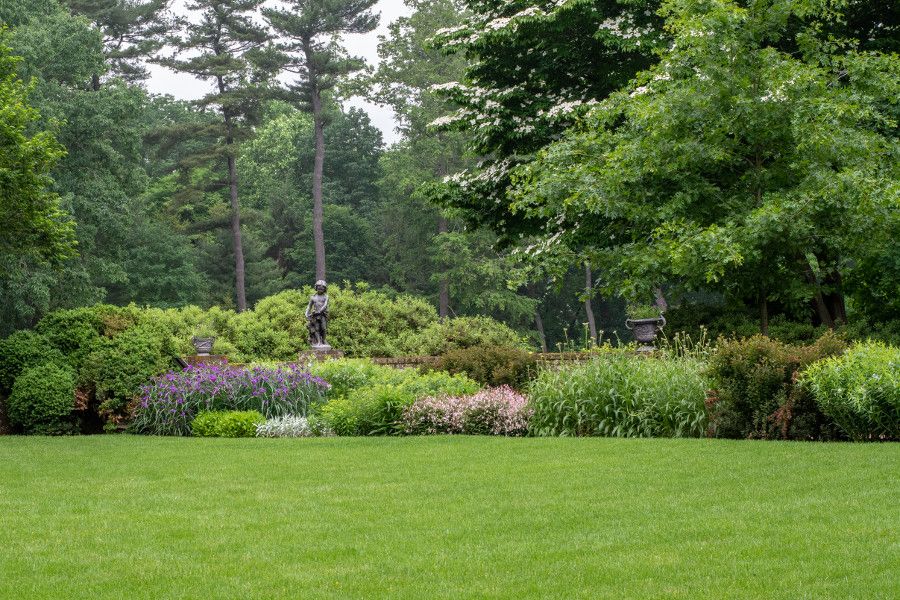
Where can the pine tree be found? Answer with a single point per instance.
(133, 31)
(309, 29)
(227, 48)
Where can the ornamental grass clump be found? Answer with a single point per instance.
(492, 411)
(622, 396)
(171, 401)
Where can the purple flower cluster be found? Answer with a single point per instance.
(169, 402)
(492, 411)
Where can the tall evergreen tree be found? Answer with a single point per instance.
(133, 31)
(227, 48)
(409, 68)
(310, 29)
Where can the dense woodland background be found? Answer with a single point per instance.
(736, 161)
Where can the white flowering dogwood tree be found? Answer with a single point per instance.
(534, 66)
(758, 158)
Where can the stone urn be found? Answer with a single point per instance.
(203, 345)
(645, 330)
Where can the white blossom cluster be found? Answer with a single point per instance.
(624, 27)
(493, 114)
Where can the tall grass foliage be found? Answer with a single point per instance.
(621, 395)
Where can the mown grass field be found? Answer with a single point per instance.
(441, 517)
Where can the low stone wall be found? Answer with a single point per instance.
(402, 362)
(548, 359)
(545, 359)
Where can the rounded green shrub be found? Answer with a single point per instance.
(462, 332)
(227, 423)
(860, 390)
(366, 322)
(21, 350)
(491, 365)
(42, 400)
(77, 332)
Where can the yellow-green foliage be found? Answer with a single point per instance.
(860, 390)
(227, 423)
(363, 322)
(464, 332)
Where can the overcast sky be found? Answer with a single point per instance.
(185, 87)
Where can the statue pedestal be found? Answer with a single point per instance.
(206, 359)
(317, 353)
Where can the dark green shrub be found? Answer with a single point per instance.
(860, 391)
(121, 365)
(74, 332)
(736, 322)
(42, 400)
(756, 392)
(621, 395)
(861, 329)
(21, 350)
(227, 423)
(491, 365)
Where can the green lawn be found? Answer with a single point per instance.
(447, 517)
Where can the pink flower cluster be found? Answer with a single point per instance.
(492, 411)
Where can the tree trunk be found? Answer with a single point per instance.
(444, 293)
(819, 300)
(764, 314)
(588, 288)
(539, 325)
(239, 271)
(834, 300)
(318, 166)
(237, 245)
(661, 303)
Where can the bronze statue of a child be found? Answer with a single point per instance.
(317, 315)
